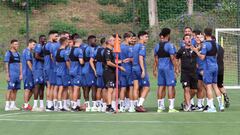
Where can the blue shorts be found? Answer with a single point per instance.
(100, 82)
(90, 79)
(63, 81)
(46, 74)
(126, 80)
(28, 83)
(77, 80)
(52, 78)
(166, 77)
(143, 82)
(210, 76)
(14, 83)
(38, 76)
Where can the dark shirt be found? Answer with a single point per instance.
(188, 60)
(108, 56)
(220, 62)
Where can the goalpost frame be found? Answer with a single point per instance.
(217, 30)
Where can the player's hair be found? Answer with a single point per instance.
(62, 40)
(142, 33)
(77, 40)
(127, 35)
(197, 32)
(103, 40)
(133, 34)
(208, 31)
(13, 41)
(64, 32)
(75, 36)
(213, 37)
(186, 36)
(91, 37)
(165, 32)
(188, 28)
(52, 32)
(31, 41)
(41, 36)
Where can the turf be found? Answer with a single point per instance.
(150, 123)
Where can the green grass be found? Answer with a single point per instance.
(151, 123)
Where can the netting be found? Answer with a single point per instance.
(229, 39)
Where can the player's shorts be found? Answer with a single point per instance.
(77, 80)
(52, 78)
(166, 77)
(47, 74)
(210, 76)
(28, 83)
(38, 76)
(14, 83)
(143, 82)
(126, 80)
(100, 82)
(63, 81)
(90, 79)
(109, 79)
(220, 80)
(189, 80)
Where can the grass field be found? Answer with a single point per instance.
(150, 123)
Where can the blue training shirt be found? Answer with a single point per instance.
(165, 63)
(210, 62)
(139, 50)
(26, 56)
(13, 68)
(38, 65)
(61, 67)
(75, 66)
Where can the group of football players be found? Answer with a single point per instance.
(67, 66)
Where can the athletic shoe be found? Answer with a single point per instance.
(172, 111)
(110, 110)
(205, 108)
(103, 109)
(199, 108)
(122, 109)
(49, 109)
(193, 107)
(131, 110)
(140, 109)
(14, 108)
(211, 110)
(94, 109)
(75, 109)
(41, 109)
(187, 109)
(99, 108)
(221, 108)
(88, 109)
(28, 108)
(160, 110)
(67, 109)
(62, 110)
(7, 108)
(226, 100)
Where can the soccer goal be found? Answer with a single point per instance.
(229, 39)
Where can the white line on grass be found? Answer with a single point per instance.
(119, 122)
(11, 114)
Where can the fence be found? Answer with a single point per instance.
(23, 19)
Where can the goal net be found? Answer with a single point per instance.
(229, 39)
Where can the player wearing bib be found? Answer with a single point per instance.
(49, 69)
(61, 72)
(90, 78)
(125, 77)
(38, 74)
(165, 69)
(140, 75)
(75, 71)
(13, 69)
(27, 67)
(210, 70)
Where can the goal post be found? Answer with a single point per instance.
(229, 39)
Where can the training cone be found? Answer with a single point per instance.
(117, 48)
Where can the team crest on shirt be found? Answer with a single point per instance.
(185, 83)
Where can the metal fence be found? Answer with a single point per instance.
(24, 19)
